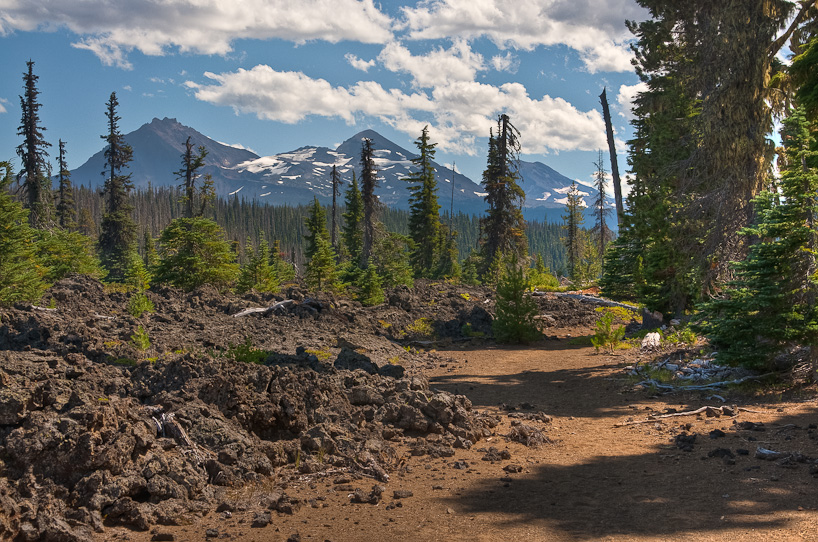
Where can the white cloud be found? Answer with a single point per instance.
(358, 63)
(113, 29)
(627, 94)
(3, 109)
(458, 63)
(505, 63)
(457, 112)
(594, 29)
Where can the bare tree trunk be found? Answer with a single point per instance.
(606, 113)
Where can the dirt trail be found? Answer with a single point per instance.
(592, 482)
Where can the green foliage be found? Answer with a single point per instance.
(322, 355)
(21, 274)
(352, 232)
(470, 266)
(515, 309)
(468, 331)
(139, 304)
(316, 223)
(684, 336)
(140, 339)
(63, 252)
(193, 252)
(424, 214)
(247, 353)
(422, 327)
(258, 273)
(541, 278)
(322, 274)
(606, 335)
(370, 291)
(34, 176)
(391, 258)
(283, 270)
(772, 300)
(137, 276)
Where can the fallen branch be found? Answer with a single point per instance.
(287, 303)
(668, 388)
(715, 411)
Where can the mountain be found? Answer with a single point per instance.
(297, 176)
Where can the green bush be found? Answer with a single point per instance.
(515, 309)
(193, 252)
(139, 304)
(140, 339)
(607, 336)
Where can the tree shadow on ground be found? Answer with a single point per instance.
(664, 493)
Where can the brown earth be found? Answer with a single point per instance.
(307, 449)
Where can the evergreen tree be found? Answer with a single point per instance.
(151, 259)
(601, 230)
(391, 259)
(369, 181)
(66, 210)
(192, 162)
(316, 223)
(515, 309)
(118, 230)
(32, 151)
(370, 291)
(193, 252)
(284, 271)
(63, 252)
(424, 215)
(772, 300)
(503, 226)
(20, 273)
(470, 274)
(258, 273)
(336, 191)
(574, 219)
(322, 274)
(353, 221)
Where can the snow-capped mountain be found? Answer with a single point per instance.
(295, 177)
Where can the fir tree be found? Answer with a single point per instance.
(336, 191)
(772, 300)
(353, 221)
(118, 230)
(424, 215)
(574, 219)
(66, 211)
(151, 259)
(32, 151)
(601, 210)
(322, 274)
(316, 223)
(503, 226)
(515, 309)
(369, 181)
(391, 259)
(193, 252)
(192, 162)
(370, 291)
(20, 272)
(63, 252)
(258, 273)
(284, 271)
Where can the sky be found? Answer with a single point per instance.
(275, 75)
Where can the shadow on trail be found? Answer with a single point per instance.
(663, 492)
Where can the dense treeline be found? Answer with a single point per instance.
(242, 220)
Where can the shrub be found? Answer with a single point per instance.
(515, 309)
(607, 336)
(140, 339)
(139, 304)
(421, 327)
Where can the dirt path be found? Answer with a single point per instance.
(593, 482)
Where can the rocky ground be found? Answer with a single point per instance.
(314, 418)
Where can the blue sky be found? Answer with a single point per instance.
(274, 75)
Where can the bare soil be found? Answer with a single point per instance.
(359, 427)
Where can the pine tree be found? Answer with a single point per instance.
(20, 272)
(192, 162)
(193, 252)
(63, 252)
(772, 300)
(504, 225)
(118, 230)
(322, 274)
(600, 206)
(336, 191)
(316, 223)
(574, 219)
(369, 181)
(66, 210)
(370, 291)
(32, 151)
(258, 273)
(284, 271)
(515, 309)
(424, 216)
(353, 222)
(391, 259)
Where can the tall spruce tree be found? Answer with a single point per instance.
(771, 302)
(601, 231)
(118, 230)
(192, 162)
(335, 177)
(322, 274)
(504, 225)
(573, 239)
(369, 181)
(34, 174)
(66, 210)
(352, 232)
(316, 223)
(21, 275)
(424, 210)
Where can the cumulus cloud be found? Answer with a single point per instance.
(627, 94)
(3, 103)
(594, 29)
(438, 67)
(457, 112)
(505, 63)
(113, 29)
(358, 63)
